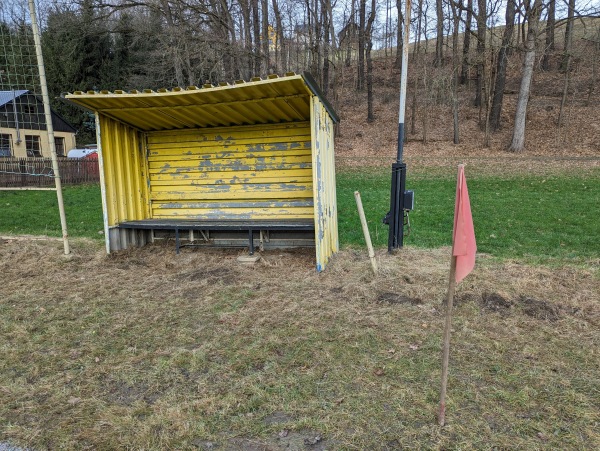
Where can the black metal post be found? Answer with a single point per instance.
(396, 214)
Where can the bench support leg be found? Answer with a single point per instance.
(251, 241)
(177, 241)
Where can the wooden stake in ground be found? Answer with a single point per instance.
(365, 228)
(461, 264)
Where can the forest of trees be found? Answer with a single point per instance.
(136, 44)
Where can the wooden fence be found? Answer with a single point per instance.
(37, 172)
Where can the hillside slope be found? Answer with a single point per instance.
(579, 135)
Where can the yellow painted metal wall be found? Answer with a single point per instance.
(124, 172)
(243, 172)
(324, 192)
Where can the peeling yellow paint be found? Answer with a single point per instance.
(230, 165)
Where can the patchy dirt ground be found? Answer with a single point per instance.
(145, 349)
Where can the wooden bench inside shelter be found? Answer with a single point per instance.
(262, 228)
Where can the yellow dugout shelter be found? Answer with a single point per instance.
(227, 164)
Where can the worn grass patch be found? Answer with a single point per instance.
(148, 350)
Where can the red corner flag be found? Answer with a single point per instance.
(463, 236)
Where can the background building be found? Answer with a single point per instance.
(23, 129)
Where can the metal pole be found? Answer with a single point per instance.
(396, 215)
(49, 127)
(403, 82)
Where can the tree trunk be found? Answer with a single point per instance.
(594, 77)
(360, 84)
(568, 36)
(464, 74)
(314, 29)
(417, 46)
(518, 139)
(280, 42)
(350, 33)
(256, 29)
(369, 46)
(398, 61)
(481, 42)
(249, 69)
(326, 45)
(566, 63)
(439, 43)
(456, 16)
(264, 4)
(550, 25)
(501, 65)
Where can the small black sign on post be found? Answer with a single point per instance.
(396, 215)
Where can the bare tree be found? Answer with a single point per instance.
(568, 36)
(360, 83)
(595, 55)
(399, 37)
(256, 30)
(280, 47)
(518, 138)
(456, 16)
(464, 74)
(439, 43)
(369, 35)
(502, 62)
(264, 6)
(481, 41)
(550, 25)
(566, 62)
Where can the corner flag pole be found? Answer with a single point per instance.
(396, 215)
(49, 127)
(464, 248)
(446, 348)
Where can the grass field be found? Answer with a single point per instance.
(145, 349)
(538, 218)
(541, 218)
(36, 212)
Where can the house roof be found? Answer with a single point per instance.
(8, 96)
(260, 101)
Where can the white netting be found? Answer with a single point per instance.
(22, 120)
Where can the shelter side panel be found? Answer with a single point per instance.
(324, 190)
(124, 172)
(245, 172)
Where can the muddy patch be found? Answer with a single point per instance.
(395, 298)
(539, 309)
(495, 302)
(468, 297)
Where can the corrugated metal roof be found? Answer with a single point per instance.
(272, 100)
(8, 96)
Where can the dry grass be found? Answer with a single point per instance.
(149, 350)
